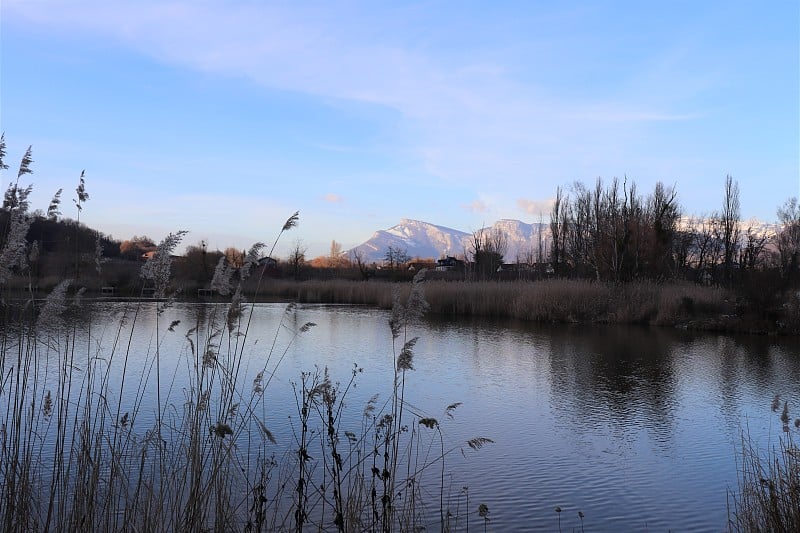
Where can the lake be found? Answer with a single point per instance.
(636, 428)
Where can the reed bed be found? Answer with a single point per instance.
(768, 495)
(551, 300)
(90, 443)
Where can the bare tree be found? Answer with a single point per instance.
(234, 256)
(705, 242)
(788, 239)
(557, 229)
(396, 257)
(297, 257)
(752, 249)
(488, 251)
(729, 221)
(611, 232)
(359, 258)
(663, 212)
(540, 252)
(134, 247)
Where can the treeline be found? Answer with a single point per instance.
(608, 232)
(611, 232)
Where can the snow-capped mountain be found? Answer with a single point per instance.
(417, 238)
(523, 241)
(422, 239)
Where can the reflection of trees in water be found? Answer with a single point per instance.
(755, 366)
(632, 377)
(624, 382)
(623, 375)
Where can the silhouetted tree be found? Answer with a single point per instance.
(235, 257)
(488, 249)
(134, 247)
(787, 240)
(358, 258)
(297, 258)
(729, 224)
(557, 229)
(395, 257)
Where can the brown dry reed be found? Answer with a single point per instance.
(768, 495)
(551, 300)
(80, 449)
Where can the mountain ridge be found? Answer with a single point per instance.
(525, 242)
(424, 239)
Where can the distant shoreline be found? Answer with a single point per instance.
(681, 305)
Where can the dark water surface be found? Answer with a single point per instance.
(637, 428)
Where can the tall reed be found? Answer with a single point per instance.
(83, 446)
(551, 300)
(768, 495)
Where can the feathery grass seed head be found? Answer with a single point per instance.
(252, 257)
(80, 190)
(157, 268)
(3, 165)
(405, 361)
(13, 255)
(53, 209)
(221, 282)
(55, 305)
(291, 222)
(429, 423)
(235, 310)
(25, 164)
(78, 299)
(47, 404)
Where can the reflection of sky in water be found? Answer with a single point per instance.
(635, 427)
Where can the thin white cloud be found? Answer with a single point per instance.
(535, 207)
(333, 198)
(464, 119)
(477, 206)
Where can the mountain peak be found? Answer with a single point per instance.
(424, 239)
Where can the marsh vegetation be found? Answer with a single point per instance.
(122, 416)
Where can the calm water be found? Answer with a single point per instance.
(636, 428)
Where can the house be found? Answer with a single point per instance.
(267, 266)
(449, 263)
(267, 262)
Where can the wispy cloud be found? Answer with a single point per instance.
(466, 116)
(333, 198)
(522, 96)
(535, 207)
(477, 206)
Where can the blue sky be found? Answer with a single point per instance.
(223, 118)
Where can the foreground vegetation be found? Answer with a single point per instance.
(80, 451)
(768, 495)
(80, 448)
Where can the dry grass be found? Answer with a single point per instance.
(80, 450)
(556, 300)
(768, 496)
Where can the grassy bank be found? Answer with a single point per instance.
(673, 304)
(549, 301)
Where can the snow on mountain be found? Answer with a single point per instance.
(422, 239)
(417, 238)
(522, 239)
